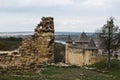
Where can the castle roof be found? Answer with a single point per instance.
(69, 39)
(91, 45)
(83, 38)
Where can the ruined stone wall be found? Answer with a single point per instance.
(40, 46)
(37, 49)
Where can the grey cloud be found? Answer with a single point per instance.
(70, 15)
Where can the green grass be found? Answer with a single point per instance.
(114, 71)
(53, 73)
(58, 73)
(69, 73)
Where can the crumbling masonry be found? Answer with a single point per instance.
(41, 45)
(37, 49)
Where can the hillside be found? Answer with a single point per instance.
(47, 72)
(8, 44)
(59, 73)
(114, 72)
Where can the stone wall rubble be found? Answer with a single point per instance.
(37, 49)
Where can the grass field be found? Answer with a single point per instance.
(114, 70)
(70, 73)
(53, 73)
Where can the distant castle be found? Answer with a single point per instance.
(81, 51)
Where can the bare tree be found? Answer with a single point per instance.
(107, 36)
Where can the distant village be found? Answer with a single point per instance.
(39, 48)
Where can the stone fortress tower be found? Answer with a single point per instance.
(40, 46)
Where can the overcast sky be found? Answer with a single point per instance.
(69, 15)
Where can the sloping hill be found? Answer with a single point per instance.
(114, 72)
(62, 73)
